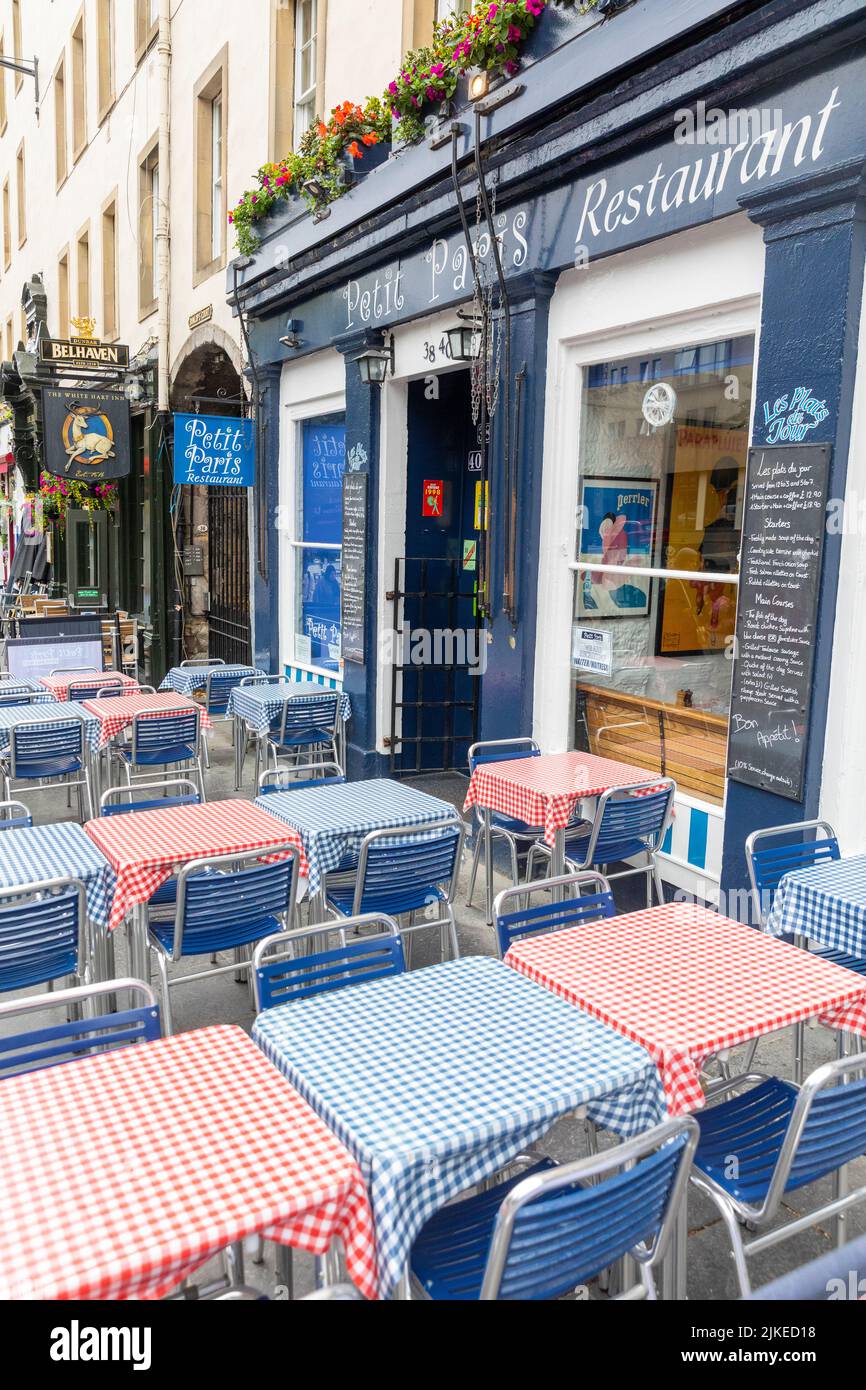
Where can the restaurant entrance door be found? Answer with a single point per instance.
(435, 690)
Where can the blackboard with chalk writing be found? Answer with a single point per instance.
(780, 570)
(353, 594)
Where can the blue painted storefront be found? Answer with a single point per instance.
(587, 165)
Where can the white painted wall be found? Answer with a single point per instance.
(844, 772)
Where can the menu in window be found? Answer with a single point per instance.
(354, 585)
(780, 571)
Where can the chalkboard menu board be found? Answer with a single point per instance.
(780, 568)
(354, 570)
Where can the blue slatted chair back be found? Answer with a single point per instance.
(309, 720)
(567, 1236)
(834, 1132)
(769, 865)
(65, 1042)
(122, 808)
(500, 755)
(20, 698)
(219, 910)
(88, 690)
(220, 685)
(628, 821)
(267, 788)
(164, 737)
(403, 876)
(45, 750)
(552, 916)
(286, 979)
(39, 935)
(14, 815)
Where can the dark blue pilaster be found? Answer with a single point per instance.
(815, 237)
(264, 499)
(507, 692)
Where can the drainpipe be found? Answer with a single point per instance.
(163, 235)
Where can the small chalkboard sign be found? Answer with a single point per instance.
(780, 571)
(353, 594)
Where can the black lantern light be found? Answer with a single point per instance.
(374, 363)
(464, 340)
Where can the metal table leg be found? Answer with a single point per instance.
(488, 864)
(139, 962)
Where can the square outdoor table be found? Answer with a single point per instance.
(58, 686)
(544, 791)
(686, 983)
(331, 821)
(116, 712)
(24, 686)
(144, 848)
(254, 706)
(120, 1174)
(826, 904)
(186, 680)
(48, 712)
(435, 1079)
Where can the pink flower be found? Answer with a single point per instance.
(534, 7)
(492, 13)
(514, 35)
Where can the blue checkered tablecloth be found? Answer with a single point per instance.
(23, 686)
(186, 680)
(50, 712)
(37, 852)
(257, 705)
(826, 904)
(436, 1079)
(333, 820)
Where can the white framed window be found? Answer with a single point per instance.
(306, 20)
(216, 212)
(446, 8)
(310, 521)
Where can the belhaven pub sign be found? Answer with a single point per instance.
(85, 352)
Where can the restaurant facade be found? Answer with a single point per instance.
(653, 238)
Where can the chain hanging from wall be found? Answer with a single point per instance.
(487, 313)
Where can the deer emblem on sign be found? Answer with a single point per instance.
(85, 443)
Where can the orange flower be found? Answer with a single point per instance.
(355, 150)
(371, 138)
(339, 117)
(321, 128)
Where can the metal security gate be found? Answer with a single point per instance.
(229, 633)
(437, 662)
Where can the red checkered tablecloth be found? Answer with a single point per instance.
(117, 712)
(59, 685)
(146, 847)
(546, 790)
(685, 983)
(121, 1173)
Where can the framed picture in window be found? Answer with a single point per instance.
(617, 527)
(703, 519)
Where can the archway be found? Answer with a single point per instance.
(210, 523)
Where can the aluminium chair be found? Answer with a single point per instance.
(54, 1044)
(160, 740)
(774, 1139)
(404, 872)
(549, 1231)
(576, 899)
(227, 903)
(629, 822)
(44, 933)
(43, 755)
(515, 833)
(91, 689)
(249, 733)
(202, 661)
(286, 977)
(14, 815)
(308, 722)
(302, 775)
(117, 690)
(770, 855)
